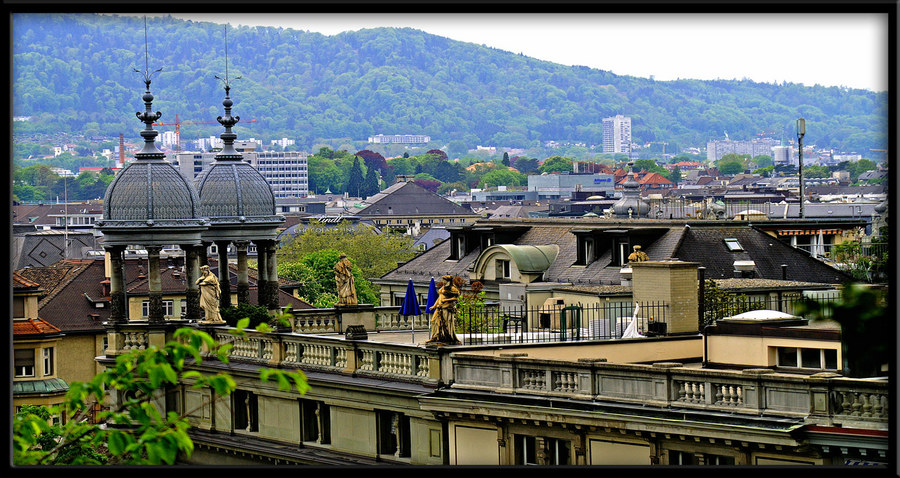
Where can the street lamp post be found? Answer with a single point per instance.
(801, 131)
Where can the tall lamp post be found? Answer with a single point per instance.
(801, 131)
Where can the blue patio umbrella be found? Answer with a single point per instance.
(410, 307)
(410, 304)
(432, 296)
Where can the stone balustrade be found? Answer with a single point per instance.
(824, 398)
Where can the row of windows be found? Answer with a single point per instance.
(797, 357)
(315, 424)
(24, 362)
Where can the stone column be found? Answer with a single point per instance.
(204, 249)
(243, 284)
(224, 275)
(154, 283)
(118, 308)
(272, 276)
(192, 272)
(262, 273)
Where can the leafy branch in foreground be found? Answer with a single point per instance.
(135, 432)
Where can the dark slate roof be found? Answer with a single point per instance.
(689, 241)
(69, 306)
(410, 199)
(706, 245)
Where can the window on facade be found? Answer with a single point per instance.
(315, 421)
(810, 358)
(48, 361)
(18, 307)
(168, 308)
(525, 450)
(503, 269)
(709, 459)
(393, 434)
(557, 451)
(23, 362)
(677, 457)
(246, 411)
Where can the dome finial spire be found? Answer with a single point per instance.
(228, 137)
(147, 117)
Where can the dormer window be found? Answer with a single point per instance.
(586, 251)
(733, 245)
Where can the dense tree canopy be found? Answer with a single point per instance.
(76, 71)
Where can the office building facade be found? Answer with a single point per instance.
(617, 134)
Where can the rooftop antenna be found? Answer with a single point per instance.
(150, 150)
(228, 137)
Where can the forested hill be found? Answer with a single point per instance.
(77, 71)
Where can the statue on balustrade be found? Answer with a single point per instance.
(443, 321)
(343, 277)
(209, 296)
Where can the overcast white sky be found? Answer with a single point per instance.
(846, 49)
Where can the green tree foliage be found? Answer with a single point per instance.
(358, 84)
(502, 176)
(355, 179)
(525, 165)
(138, 432)
(315, 273)
(731, 164)
(372, 254)
(863, 316)
(556, 164)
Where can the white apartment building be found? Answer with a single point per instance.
(717, 148)
(399, 139)
(617, 134)
(286, 172)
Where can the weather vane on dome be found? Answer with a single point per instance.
(146, 72)
(225, 80)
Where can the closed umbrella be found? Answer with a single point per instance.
(432, 296)
(410, 307)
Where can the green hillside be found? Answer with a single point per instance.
(76, 72)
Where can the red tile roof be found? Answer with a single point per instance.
(32, 327)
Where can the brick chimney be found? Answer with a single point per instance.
(673, 282)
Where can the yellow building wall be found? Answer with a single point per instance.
(353, 430)
(759, 351)
(605, 452)
(470, 445)
(76, 357)
(279, 419)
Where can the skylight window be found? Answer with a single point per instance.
(733, 245)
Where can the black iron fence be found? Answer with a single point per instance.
(495, 325)
(721, 306)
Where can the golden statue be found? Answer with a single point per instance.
(209, 296)
(343, 277)
(443, 321)
(638, 255)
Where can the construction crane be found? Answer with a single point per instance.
(178, 124)
(765, 133)
(882, 150)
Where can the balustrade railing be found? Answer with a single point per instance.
(671, 385)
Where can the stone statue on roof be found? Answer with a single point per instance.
(343, 277)
(638, 255)
(209, 296)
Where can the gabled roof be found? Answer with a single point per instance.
(706, 245)
(653, 178)
(33, 328)
(689, 241)
(410, 199)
